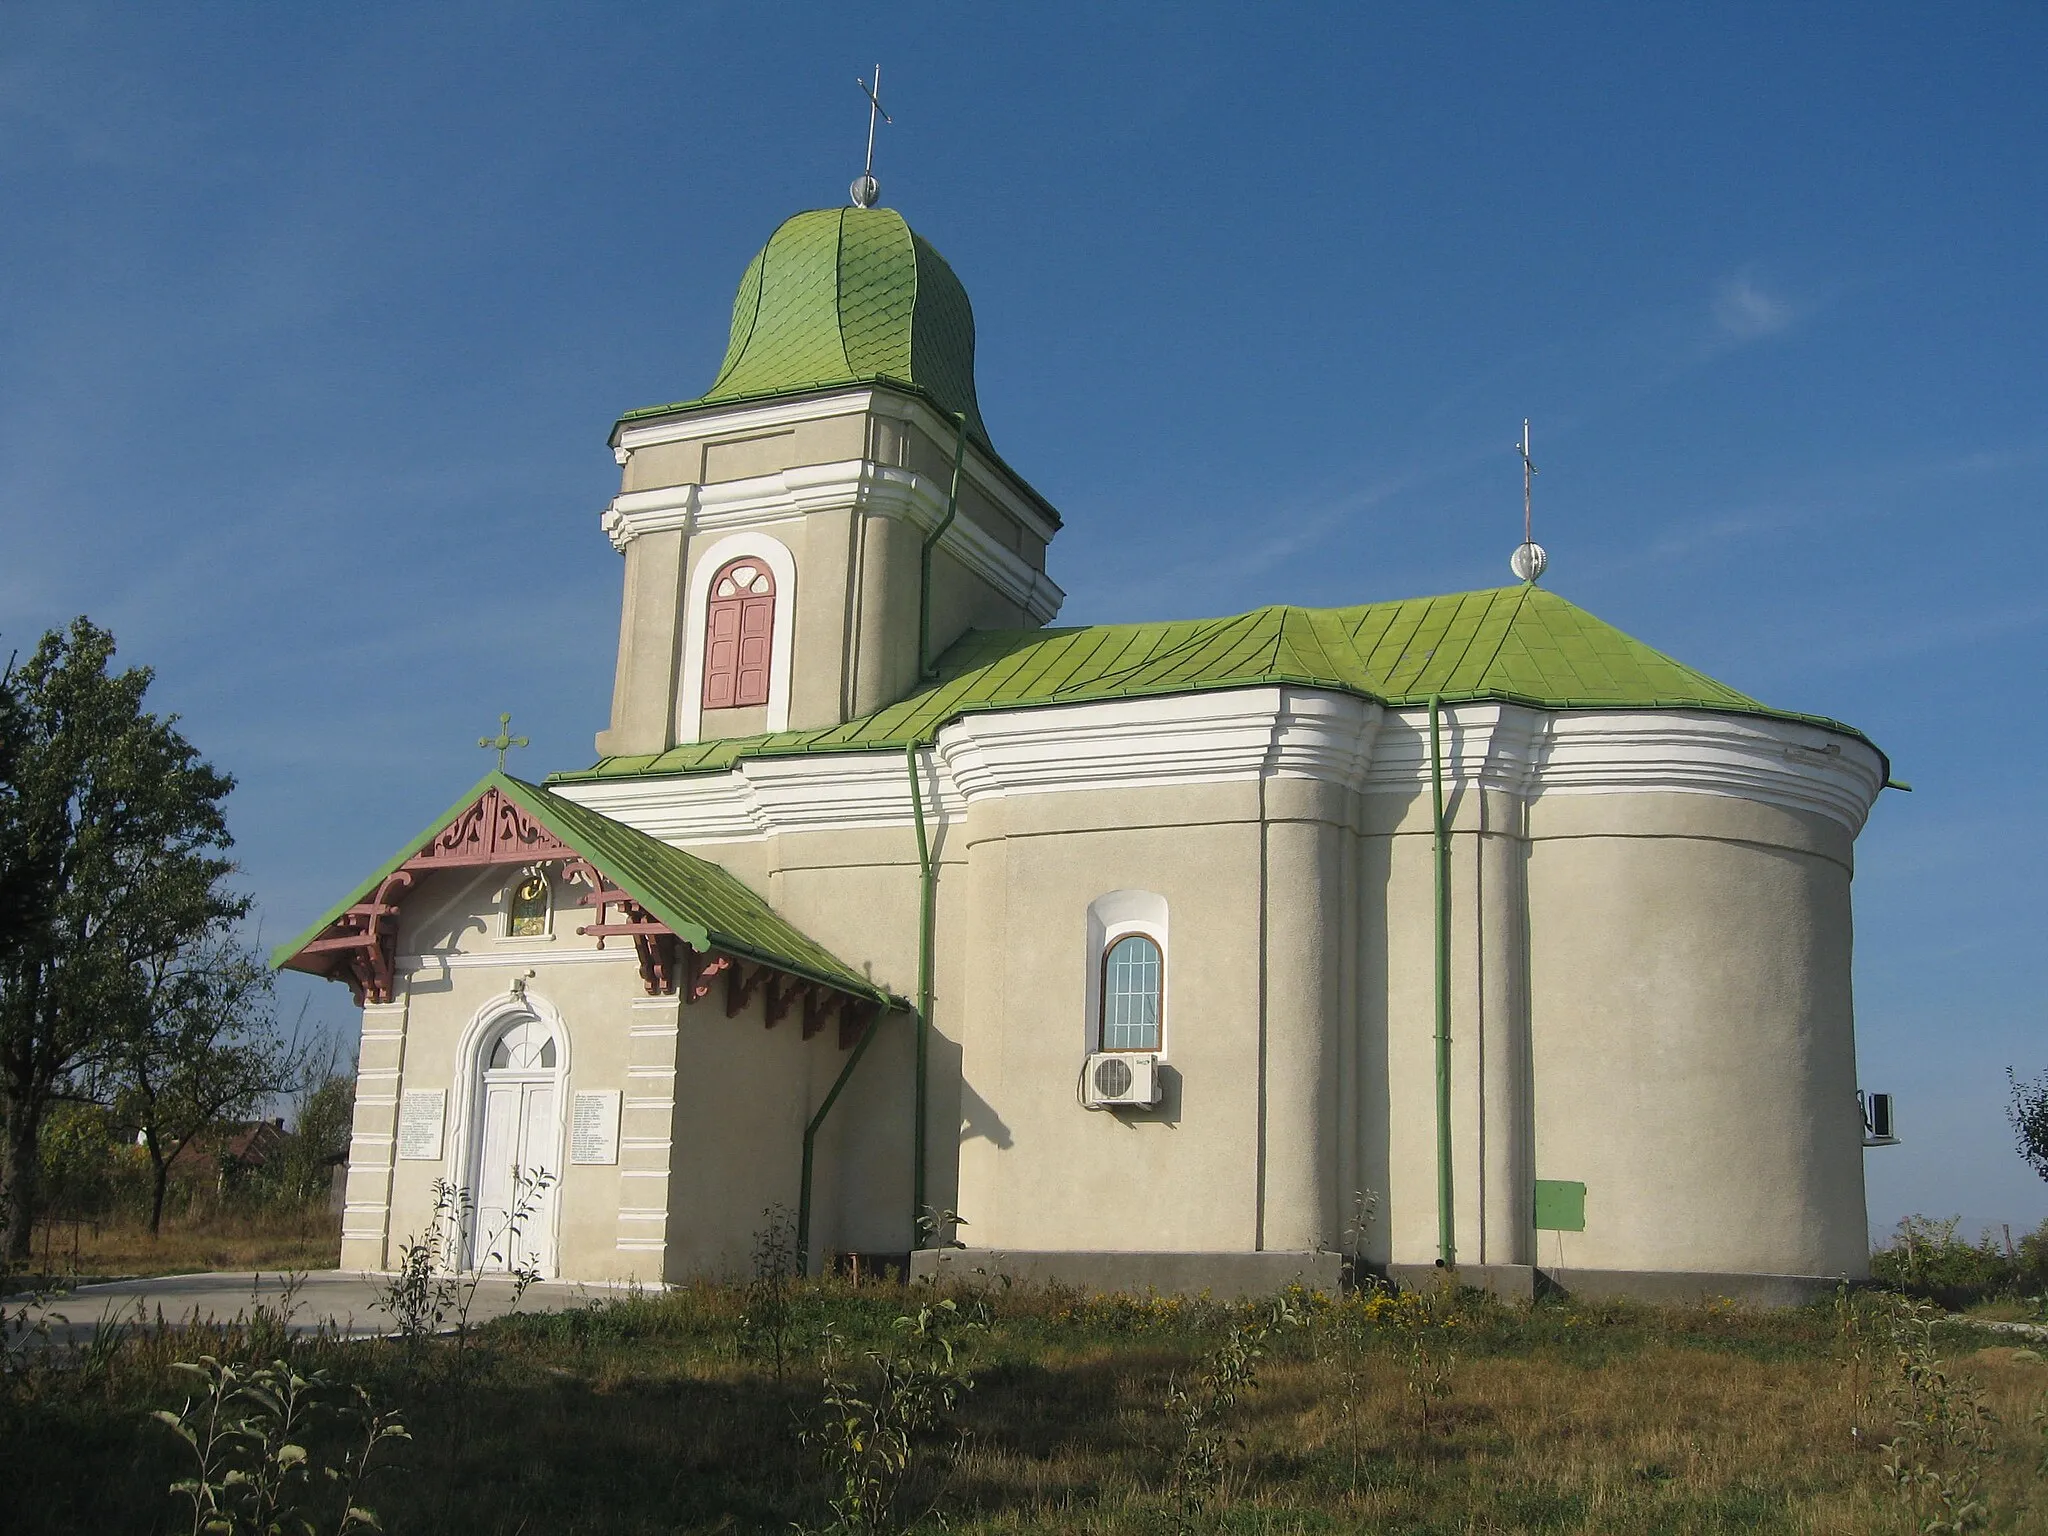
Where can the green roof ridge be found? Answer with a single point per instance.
(1513, 645)
(704, 904)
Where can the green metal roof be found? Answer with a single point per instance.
(706, 906)
(847, 296)
(1522, 645)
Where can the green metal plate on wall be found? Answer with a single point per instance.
(1560, 1205)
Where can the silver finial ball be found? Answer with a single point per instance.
(1528, 562)
(865, 191)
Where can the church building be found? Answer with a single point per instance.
(1459, 931)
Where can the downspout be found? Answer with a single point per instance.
(927, 919)
(1446, 1223)
(927, 876)
(931, 542)
(803, 1199)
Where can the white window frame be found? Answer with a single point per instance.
(1117, 915)
(705, 564)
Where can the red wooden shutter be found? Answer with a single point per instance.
(756, 639)
(722, 652)
(739, 636)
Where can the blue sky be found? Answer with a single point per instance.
(313, 321)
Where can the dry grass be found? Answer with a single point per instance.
(641, 1416)
(220, 1241)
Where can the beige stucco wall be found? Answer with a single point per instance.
(1693, 1038)
(855, 640)
(712, 1115)
(1650, 993)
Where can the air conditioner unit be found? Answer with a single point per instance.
(1114, 1079)
(1878, 1130)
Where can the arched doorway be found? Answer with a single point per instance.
(518, 1140)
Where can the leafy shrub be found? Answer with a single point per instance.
(1927, 1260)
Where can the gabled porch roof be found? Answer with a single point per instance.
(689, 919)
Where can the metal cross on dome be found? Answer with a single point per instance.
(504, 740)
(866, 191)
(1529, 560)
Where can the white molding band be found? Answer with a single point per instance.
(990, 480)
(1251, 733)
(882, 490)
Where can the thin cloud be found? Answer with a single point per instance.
(1743, 311)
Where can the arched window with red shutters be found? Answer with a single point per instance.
(739, 635)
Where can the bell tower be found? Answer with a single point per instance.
(776, 529)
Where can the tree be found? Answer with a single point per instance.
(112, 836)
(323, 1123)
(2029, 1114)
(198, 1047)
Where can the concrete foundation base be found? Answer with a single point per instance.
(1230, 1276)
(1510, 1282)
(1225, 1276)
(1690, 1287)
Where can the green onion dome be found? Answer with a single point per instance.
(851, 296)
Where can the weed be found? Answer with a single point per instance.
(274, 1452)
(430, 1285)
(868, 1433)
(1942, 1429)
(1202, 1407)
(765, 1324)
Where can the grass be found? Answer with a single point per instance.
(642, 1414)
(231, 1241)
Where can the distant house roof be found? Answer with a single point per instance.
(1518, 645)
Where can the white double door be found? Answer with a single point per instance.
(515, 1219)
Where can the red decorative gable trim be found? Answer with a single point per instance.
(492, 831)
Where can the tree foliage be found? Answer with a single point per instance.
(198, 1046)
(112, 852)
(2029, 1115)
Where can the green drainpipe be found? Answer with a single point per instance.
(1446, 1214)
(803, 1198)
(927, 917)
(931, 542)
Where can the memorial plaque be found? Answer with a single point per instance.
(421, 1113)
(594, 1127)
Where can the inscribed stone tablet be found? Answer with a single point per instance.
(594, 1127)
(421, 1112)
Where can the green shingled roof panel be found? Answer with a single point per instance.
(847, 296)
(704, 904)
(1520, 644)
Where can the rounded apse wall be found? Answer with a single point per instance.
(1692, 1035)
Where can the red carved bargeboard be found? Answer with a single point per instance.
(360, 946)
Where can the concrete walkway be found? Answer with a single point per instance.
(345, 1301)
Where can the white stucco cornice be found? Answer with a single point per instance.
(1779, 762)
(998, 484)
(882, 490)
(1241, 734)
(1251, 733)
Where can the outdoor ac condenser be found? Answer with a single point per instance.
(1113, 1079)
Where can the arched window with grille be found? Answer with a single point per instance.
(1133, 988)
(739, 635)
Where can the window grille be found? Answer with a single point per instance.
(1133, 978)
